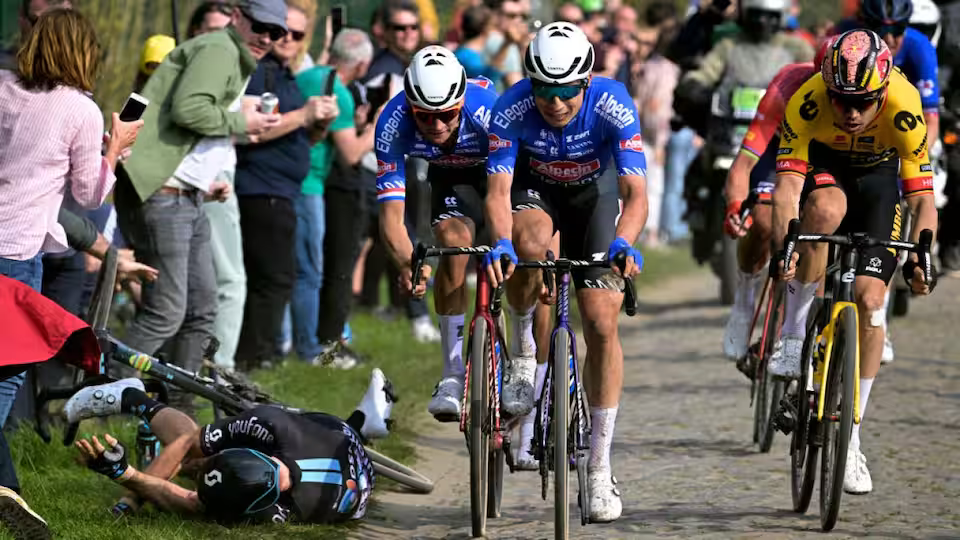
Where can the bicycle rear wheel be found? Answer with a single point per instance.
(561, 423)
(479, 435)
(803, 450)
(399, 473)
(497, 456)
(839, 400)
(769, 390)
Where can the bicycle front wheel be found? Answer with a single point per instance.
(399, 473)
(769, 390)
(838, 416)
(479, 435)
(803, 451)
(561, 424)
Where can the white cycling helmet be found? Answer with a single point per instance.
(435, 80)
(779, 6)
(560, 53)
(926, 19)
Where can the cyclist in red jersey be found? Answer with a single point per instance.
(754, 170)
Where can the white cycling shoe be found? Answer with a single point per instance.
(445, 405)
(100, 400)
(376, 406)
(785, 361)
(887, 356)
(856, 476)
(523, 460)
(735, 336)
(517, 398)
(605, 503)
(424, 331)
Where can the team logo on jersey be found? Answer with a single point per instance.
(482, 83)
(497, 143)
(383, 168)
(634, 144)
(453, 160)
(925, 87)
(565, 171)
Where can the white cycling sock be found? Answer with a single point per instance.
(522, 343)
(799, 299)
(451, 343)
(865, 386)
(603, 421)
(526, 428)
(747, 289)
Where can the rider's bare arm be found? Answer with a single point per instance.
(738, 178)
(633, 192)
(923, 212)
(932, 119)
(786, 204)
(497, 205)
(163, 493)
(393, 230)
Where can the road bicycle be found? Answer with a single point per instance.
(765, 390)
(487, 432)
(230, 393)
(556, 446)
(820, 409)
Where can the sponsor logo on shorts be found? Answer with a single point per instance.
(634, 144)
(384, 168)
(565, 171)
(874, 265)
(823, 179)
(497, 143)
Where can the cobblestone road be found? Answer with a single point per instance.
(682, 451)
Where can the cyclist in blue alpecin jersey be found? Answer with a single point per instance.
(441, 116)
(552, 136)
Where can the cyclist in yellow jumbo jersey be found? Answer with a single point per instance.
(845, 134)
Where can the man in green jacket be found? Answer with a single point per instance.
(196, 112)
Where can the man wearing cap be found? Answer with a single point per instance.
(194, 111)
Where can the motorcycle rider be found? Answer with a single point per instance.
(741, 65)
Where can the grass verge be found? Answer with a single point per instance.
(75, 501)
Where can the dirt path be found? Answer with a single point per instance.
(682, 451)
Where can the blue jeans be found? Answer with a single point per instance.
(305, 305)
(28, 272)
(680, 153)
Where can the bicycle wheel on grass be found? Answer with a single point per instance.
(399, 473)
(561, 417)
(769, 389)
(479, 436)
(838, 416)
(803, 451)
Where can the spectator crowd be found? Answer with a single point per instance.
(258, 225)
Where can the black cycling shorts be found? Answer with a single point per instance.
(873, 204)
(457, 193)
(586, 217)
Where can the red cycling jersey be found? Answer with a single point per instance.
(771, 108)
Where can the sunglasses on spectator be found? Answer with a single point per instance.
(860, 102)
(896, 30)
(276, 33)
(445, 116)
(404, 27)
(522, 16)
(561, 92)
(296, 36)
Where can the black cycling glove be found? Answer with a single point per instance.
(112, 463)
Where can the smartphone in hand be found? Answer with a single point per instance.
(338, 17)
(133, 108)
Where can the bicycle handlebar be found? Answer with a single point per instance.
(861, 241)
(747, 207)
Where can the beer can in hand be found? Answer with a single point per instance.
(269, 103)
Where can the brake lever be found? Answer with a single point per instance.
(630, 293)
(416, 262)
(549, 275)
(925, 241)
(790, 243)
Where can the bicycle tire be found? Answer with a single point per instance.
(836, 438)
(495, 482)
(561, 424)
(541, 431)
(803, 452)
(399, 473)
(479, 437)
(771, 390)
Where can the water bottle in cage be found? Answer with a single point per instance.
(147, 446)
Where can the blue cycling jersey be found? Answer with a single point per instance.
(577, 154)
(399, 137)
(917, 58)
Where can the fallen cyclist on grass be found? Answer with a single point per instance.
(265, 465)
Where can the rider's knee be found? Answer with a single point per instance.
(762, 228)
(453, 233)
(826, 207)
(603, 328)
(870, 302)
(532, 240)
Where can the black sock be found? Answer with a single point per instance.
(139, 404)
(356, 420)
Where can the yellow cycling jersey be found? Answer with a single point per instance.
(897, 131)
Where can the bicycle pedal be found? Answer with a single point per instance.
(388, 390)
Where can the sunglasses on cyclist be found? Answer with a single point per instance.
(276, 33)
(896, 30)
(561, 92)
(860, 102)
(445, 116)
